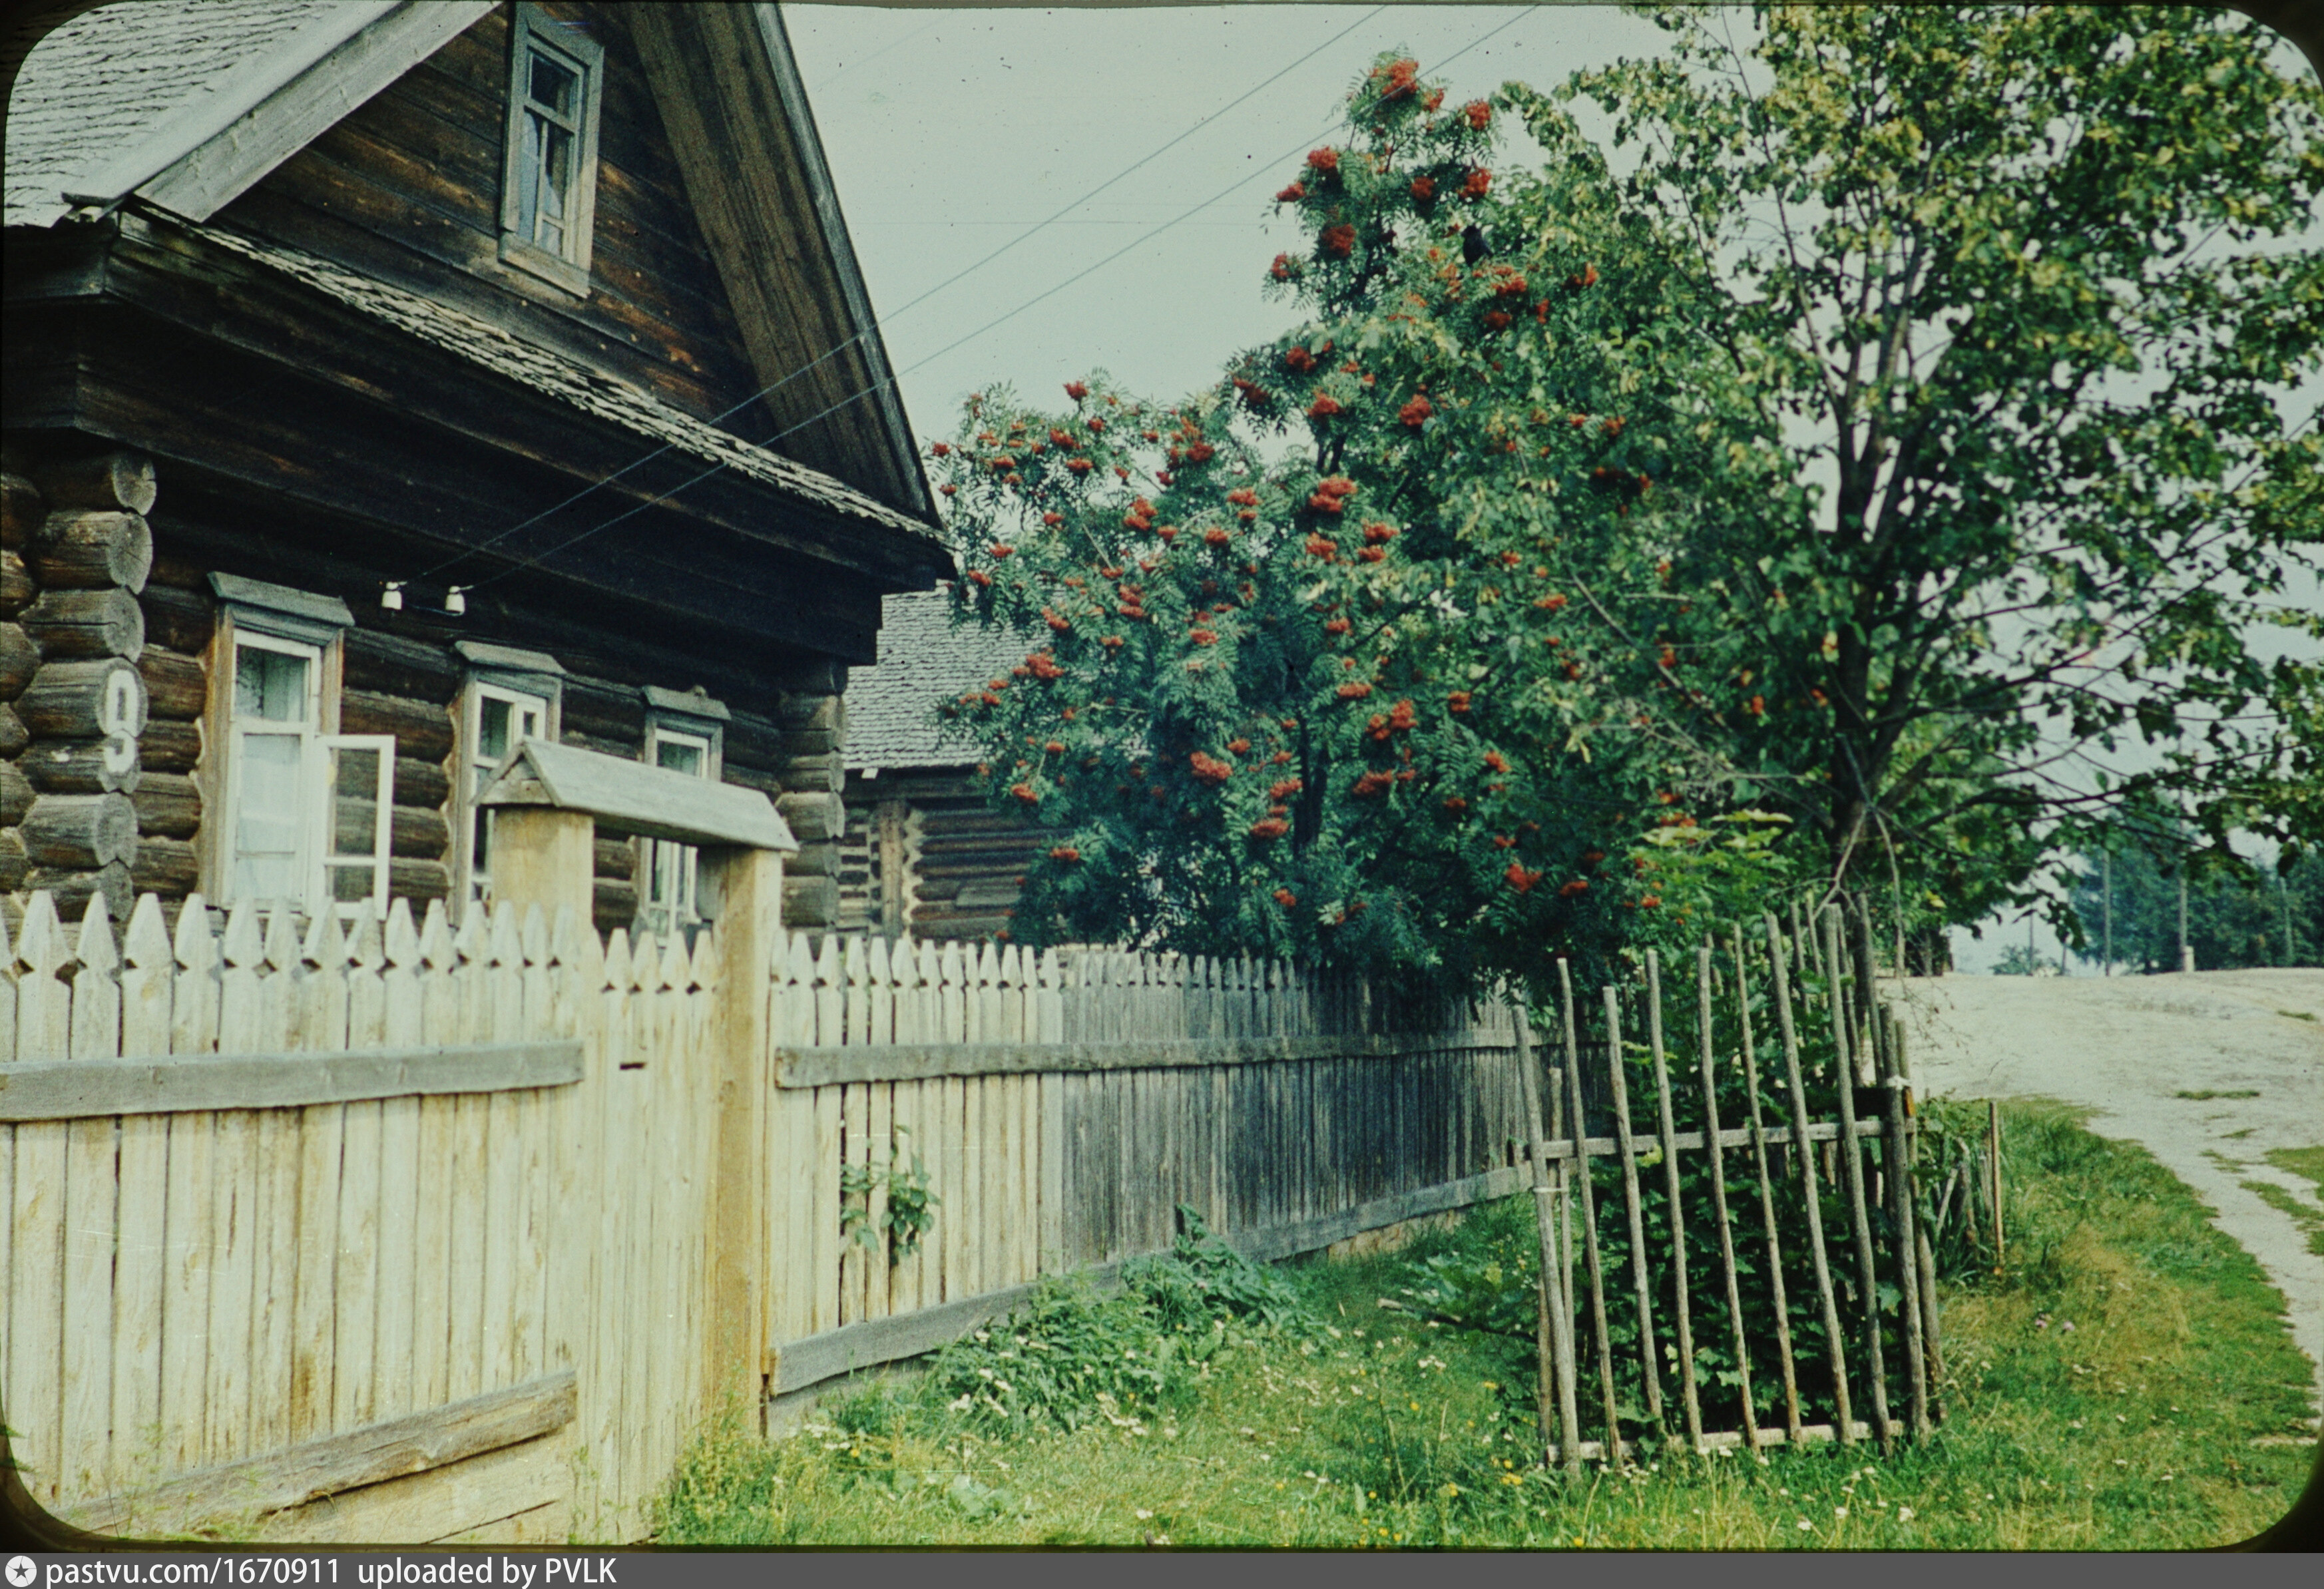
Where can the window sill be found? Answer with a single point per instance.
(561, 273)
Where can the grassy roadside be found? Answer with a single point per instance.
(2127, 1383)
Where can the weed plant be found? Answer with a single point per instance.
(2124, 1381)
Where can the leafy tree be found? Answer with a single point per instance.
(2019, 291)
(1343, 703)
(1897, 436)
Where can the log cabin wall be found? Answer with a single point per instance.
(924, 854)
(100, 576)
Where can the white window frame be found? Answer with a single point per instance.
(534, 32)
(660, 857)
(520, 691)
(239, 630)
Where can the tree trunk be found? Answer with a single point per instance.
(84, 550)
(20, 658)
(17, 590)
(165, 866)
(15, 795)
(389, 664)
(82, 766)
(169, 806)
(169, 747)
(82, 700)
(423, 729)
(176, 688)
(108, 480)
(182, 620)
(77, 832)
(80, 624)
(421, 783)
(73, 890)
(20, 510)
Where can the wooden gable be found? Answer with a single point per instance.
(721, 279)
(407, 188)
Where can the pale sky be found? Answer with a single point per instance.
(952, 134)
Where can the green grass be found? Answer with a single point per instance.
(2127, 1384)
(2205, 1095)
(2296, 1014)
(2307, 1162)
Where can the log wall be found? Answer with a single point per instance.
(130, 820)
(925, 854)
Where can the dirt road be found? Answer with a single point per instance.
(2134, 1048)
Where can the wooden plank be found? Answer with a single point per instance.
(315, 1327)
(337, 1463)
(879, 1127)
(825, 1169)
(181, 1083)
(91, 1208)
(1052, 1170)
(904, 1267)
(1554, 1322)
(855, 1111)
(1903, 1216)
(1589, 1212)
(355, 1397)
(799, 1066)
(515, 1494)
(1690, 1398)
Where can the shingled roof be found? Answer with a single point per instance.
(590, 390)
(924, 662)
(109, 99)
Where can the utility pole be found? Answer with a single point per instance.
(2186, 952)
(2030, 961)
(2284, 890)
(2105, 872)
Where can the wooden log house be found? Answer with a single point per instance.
(387, 383)
(923, 851)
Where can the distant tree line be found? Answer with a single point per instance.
(2259, 917)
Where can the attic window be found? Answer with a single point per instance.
(549, 189)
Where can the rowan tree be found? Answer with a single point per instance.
(1343, 703)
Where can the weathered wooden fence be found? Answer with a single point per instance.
(383, 1232)
(404, 1225)
(1757, 1209)
(1063, 1106)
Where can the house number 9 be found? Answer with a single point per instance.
(120, 716)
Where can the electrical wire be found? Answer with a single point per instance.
(459, 557)
(1002, 319)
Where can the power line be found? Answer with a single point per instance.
(997, 321)
(461, 556)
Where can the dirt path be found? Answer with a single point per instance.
(2130, 1048)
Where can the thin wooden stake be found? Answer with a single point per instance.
(1852, 1160)
(1904, 1221)
(1690, 1395)
(1626, 1147)
(1581, 1161)
(1993, 1158)
(1767, 1197)
(1843, 1420)
(1554, 1336)
(1708, 1066)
